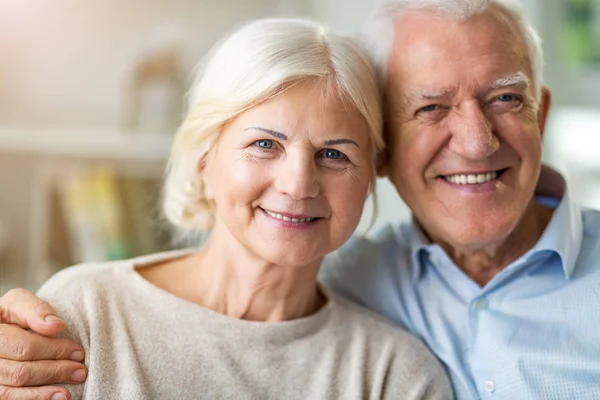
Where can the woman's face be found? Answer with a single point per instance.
(290, 176)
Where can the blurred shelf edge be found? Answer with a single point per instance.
(92, 144)
(52, 153)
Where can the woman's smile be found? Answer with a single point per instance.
(288, 221)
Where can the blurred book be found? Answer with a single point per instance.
(141, 199)
(97, 215)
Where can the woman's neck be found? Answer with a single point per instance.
(227, 278)
(242, 286)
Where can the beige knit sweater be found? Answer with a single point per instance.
(144, 343)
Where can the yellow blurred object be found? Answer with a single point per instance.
(94, 215)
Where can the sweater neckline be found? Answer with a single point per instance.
(220, 325)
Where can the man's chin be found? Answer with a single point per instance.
(475, 234)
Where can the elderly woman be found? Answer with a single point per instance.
(276, 157)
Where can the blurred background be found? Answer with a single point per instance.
(90, 95)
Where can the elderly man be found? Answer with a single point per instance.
(499, 271)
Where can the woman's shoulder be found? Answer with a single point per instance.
(378, 331)
(86, 275)
(102, 276)
(363, 319)
(410, 365)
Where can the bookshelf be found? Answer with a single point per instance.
(34, 164)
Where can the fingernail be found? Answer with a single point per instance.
(76, 356)
(78, 375)
(58, 396)
(52, 318)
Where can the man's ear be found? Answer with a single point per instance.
(544, 108)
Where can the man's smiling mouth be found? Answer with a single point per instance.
(473, 179)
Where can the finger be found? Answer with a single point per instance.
(37, 393)
(20, 345)
(23, 308)
(36, 373)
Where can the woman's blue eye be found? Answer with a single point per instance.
(333, 154)
(264, 144)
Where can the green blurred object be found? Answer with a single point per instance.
(581, 31)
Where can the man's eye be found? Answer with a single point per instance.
(429, 108)
(507, 98)
(264, 144)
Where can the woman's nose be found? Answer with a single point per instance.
(297, 176)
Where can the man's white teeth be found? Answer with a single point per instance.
(471, 179)
(288, 219)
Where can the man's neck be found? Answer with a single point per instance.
(483, 262)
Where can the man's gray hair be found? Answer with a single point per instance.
(378, 32)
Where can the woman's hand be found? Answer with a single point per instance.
(31, 360)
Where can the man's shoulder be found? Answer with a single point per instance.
(373, 271)
(387, 241)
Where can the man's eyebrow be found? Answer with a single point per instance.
(428, 94)
(271, 132)
(340, 141)
(515, 80)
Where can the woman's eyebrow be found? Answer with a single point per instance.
(271, 132)
(341, 141)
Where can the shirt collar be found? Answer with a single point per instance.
(563, 235)
(418, 245)
(564, 232)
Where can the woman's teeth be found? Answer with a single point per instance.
(288, 219)
(471, 179)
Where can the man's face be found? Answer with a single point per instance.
(463, 126)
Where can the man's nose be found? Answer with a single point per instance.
(298, 177)
(473, 136)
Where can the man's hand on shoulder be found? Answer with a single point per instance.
(30, 358)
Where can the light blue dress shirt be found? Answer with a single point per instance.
(532, 332)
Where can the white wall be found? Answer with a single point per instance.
(345, 16)
(65, 62)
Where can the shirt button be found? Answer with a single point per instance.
(489, 386)
(481, 304)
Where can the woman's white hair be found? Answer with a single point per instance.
(378, 31)
(257, 62)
